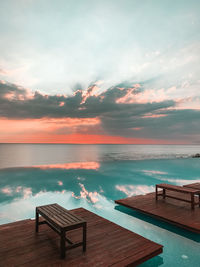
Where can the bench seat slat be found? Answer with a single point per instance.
(61, 217)
(58, 216)
(56, 209)
(51, 219)
(67, 215)
(178, 188)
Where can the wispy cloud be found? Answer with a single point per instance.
(91, 40)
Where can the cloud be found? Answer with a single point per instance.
(87, 40)
(3, 72)
(19, 105)
(131, 71)
(12, 92)
(96, 112)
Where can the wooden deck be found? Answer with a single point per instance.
(107, 245)
(170, 210)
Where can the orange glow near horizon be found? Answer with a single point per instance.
(83, 139)
(50, 130)
(44, 123)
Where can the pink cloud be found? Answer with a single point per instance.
(137, 128)
(154, 115)
(61, 104)
(129, 98)
(91, 91)
(147, 96)
(20, 94)
(188, 103)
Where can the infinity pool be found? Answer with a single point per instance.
(95, 185)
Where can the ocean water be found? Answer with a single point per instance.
(93, 176)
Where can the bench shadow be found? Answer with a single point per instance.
(167, 226)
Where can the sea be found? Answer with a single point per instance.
(93, 176)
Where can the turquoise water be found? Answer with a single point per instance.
(93, 176)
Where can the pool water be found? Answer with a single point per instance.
(93, 177)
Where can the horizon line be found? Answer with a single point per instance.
(93, 144)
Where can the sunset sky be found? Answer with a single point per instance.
(103, 71)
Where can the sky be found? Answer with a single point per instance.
(103, 71)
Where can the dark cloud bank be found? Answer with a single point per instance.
(119, 119)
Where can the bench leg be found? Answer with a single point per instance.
(84, 236)
(192, 201)
(36, 221)
(156, 192)
(199, 200)
(163, 193)
(62, 245)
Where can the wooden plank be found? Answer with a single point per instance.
(108, 244)
(194, 186)
(62, 219)
(60, 215)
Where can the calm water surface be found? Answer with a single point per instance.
(93, 176)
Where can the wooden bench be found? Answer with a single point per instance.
(61, 221)
(185, 190)
(193, 185)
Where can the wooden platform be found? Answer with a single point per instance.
(170, 210)
(107, 245)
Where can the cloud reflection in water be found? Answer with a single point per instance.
(24, 201)
(24, 191)
(92, 197)
(73, 165)
(131, 190)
